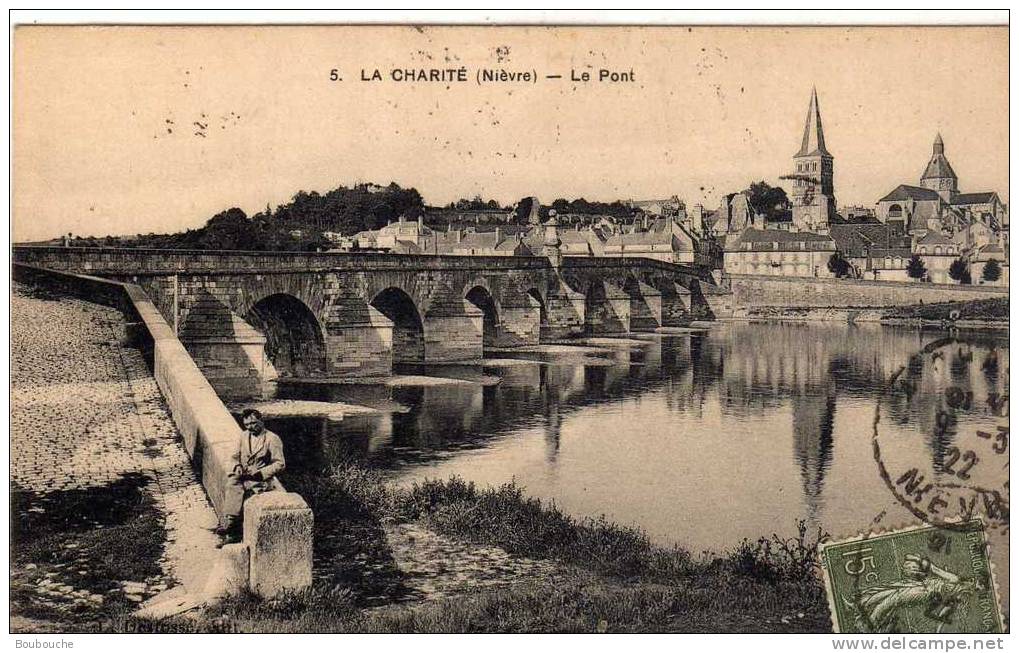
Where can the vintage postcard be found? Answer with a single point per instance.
(541, 328)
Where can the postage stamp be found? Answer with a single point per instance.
(924, 579)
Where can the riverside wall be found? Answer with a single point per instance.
(754, 291)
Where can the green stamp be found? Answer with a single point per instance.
(928, 579)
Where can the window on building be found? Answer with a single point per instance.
(923, 250)
(895, 211)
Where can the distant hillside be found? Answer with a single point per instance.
(296, 225)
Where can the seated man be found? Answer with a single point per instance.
(260, 459)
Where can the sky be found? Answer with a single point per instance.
(123, 130)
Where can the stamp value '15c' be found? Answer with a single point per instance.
(927, 579)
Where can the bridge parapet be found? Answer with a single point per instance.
(148, 261)
(151, 261)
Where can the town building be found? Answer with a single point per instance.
(857, 213)
(664, 239)
(734, 214)
(979, 258)
(670, 208)
(488, 243)
(778, 252)
(937, 252)
(875, 251)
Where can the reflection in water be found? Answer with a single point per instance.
(687, 436)
(813, 419)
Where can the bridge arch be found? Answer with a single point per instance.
(294, 340)
(482, 298)
(408, 327)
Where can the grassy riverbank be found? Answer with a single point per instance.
(613, 578)
(978, 313)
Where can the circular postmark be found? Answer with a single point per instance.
(941, 435)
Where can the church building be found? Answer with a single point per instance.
(813, 190)
(937, 205)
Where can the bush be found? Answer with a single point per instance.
(838, 265)
(992, 271)
(779, 559)
(916, 268)
(959, 271)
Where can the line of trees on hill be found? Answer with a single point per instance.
(298, 225)
(295, 226)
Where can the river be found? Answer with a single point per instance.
(702, 438)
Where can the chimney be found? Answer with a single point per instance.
(498, 235)
(421, 221)
(403, 218)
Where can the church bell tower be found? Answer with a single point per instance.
(939, 176)
(813, 190)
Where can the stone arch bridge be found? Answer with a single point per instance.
(248, 316)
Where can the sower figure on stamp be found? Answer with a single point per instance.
(260, 459)
(923, 584)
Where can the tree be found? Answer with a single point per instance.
(769, 200)
(230, 229)
(992, 271)
(915, 268)
(523, 210)
(475, 204)
(959, 271)
(839, 266)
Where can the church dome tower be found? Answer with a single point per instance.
(813, 191)
(939, 175)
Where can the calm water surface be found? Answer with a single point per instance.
(701, 439)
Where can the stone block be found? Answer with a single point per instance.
(278, 534)
(230, 573)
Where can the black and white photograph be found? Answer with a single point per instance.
(532, 323)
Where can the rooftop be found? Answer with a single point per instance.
(905, 192)
(975, 198)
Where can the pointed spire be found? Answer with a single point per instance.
(813, 132)
(939, 145)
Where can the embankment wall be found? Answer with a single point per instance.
(752, 291)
